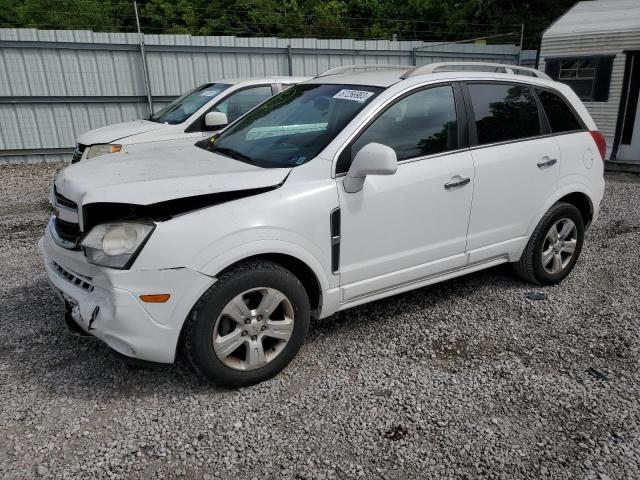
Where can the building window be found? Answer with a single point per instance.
(589, 77)
(579, 75)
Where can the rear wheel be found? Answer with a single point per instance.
(554, 246)
(248, 326)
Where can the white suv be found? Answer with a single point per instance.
(339, 191)
(186, 118)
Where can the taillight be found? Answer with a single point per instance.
(601, 143)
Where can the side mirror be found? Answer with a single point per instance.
(372, 159)
(215, 120)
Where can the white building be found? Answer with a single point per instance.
(595, 48)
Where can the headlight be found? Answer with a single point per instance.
(102, 149)
(116, 244)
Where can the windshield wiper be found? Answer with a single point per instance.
(230, 152)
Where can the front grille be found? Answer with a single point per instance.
(77, 279)
(77, 153)
(63, 201)
(68, 231)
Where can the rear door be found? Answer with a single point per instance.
(516, 166)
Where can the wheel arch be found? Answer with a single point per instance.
(582, 202)
(300, 269)
(309, 269)
(576, 194)
(306, 269)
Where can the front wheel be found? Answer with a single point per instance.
(554, 246)
(248, 326)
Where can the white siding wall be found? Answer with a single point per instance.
(605, 114)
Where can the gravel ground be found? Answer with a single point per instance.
(482, 376)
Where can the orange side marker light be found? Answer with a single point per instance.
(155, 298)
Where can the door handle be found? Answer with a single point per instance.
(457, 183)
(547, 162)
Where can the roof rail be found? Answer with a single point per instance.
(372, 66)
(481, 66)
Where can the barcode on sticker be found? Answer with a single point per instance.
(353, 95)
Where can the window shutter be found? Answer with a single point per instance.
(603, 79)
(552, 67)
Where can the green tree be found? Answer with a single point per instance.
(329, 20)
(160, 16)
(429, 20)
(66, 14)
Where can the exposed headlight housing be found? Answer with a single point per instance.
(102, 149)
(116, 244)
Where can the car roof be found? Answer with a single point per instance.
(387, 77)
(375, 78)
(258, 80)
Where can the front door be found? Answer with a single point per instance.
(404, 227)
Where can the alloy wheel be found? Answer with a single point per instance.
(559, 246)
(253, 328)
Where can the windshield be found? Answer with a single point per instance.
(186, 105)
(294, 126)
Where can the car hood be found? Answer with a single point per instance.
(111, 133)
(158, 175)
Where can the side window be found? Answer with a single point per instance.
(420, 124)
(504, 112)
(239, 103)
(561, 117)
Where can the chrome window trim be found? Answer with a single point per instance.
(525, 139)
(569, 132)
(420, 158)
(507, 142)
(477, 147)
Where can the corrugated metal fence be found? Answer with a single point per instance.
(56, 84)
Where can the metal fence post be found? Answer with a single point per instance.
(144, 61)
(521, 42)
(290, 60)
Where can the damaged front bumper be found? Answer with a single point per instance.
(106, 303)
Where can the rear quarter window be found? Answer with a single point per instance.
(561, 117)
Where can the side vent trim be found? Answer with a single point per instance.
(335, 240)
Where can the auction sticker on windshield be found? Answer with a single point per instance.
(353, 95)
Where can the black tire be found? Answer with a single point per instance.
(530, 266)
(198, 330)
